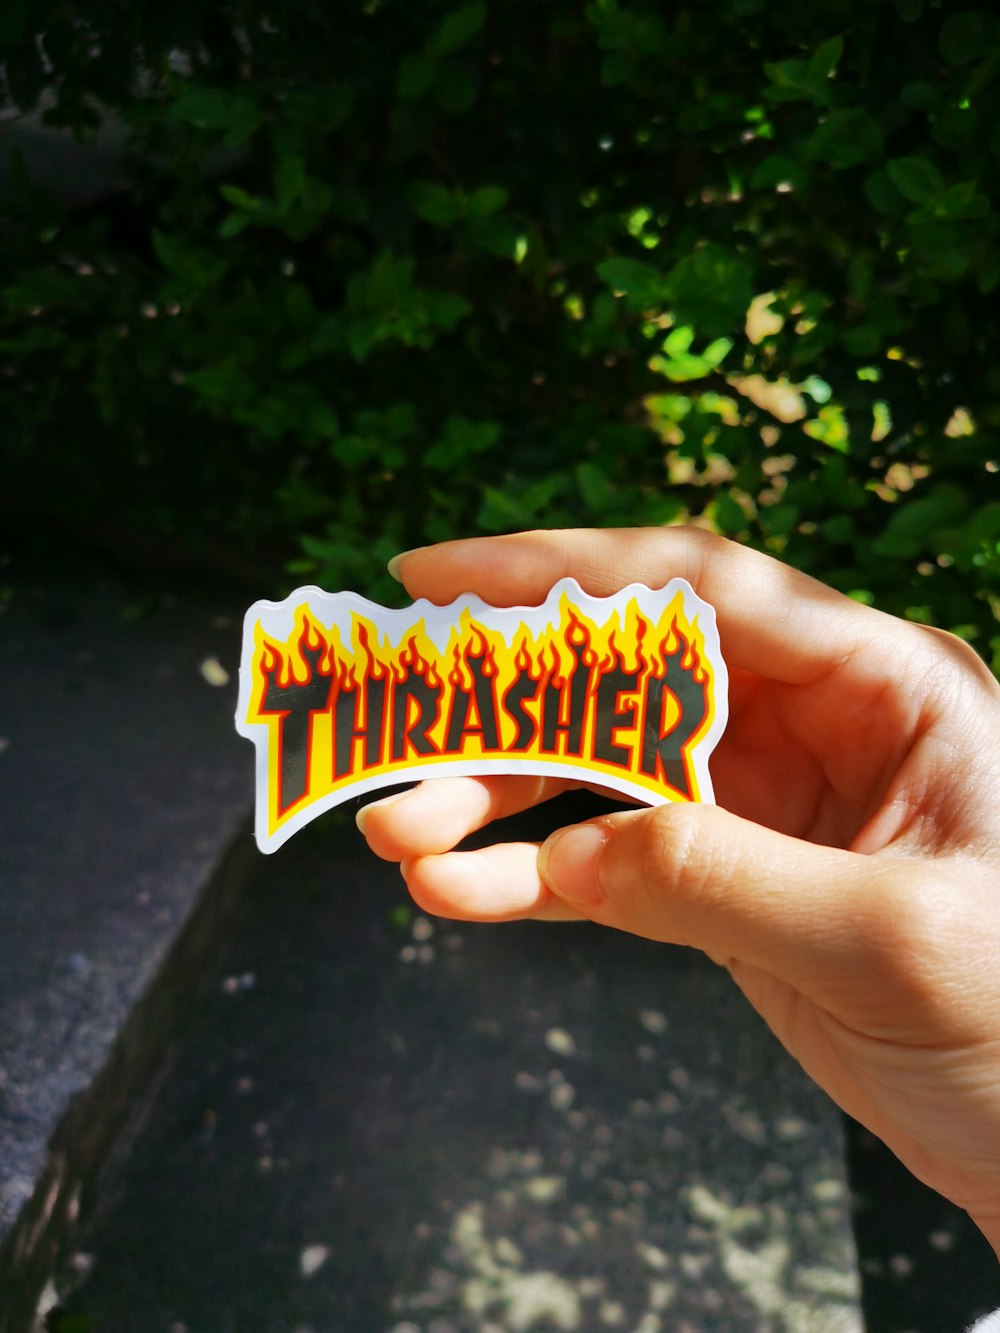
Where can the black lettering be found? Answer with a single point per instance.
(516, 696)
(609, 716)
(663, 755)
(414, 734)
(295, 705)
(350, 728)
(564, 711)
(483, 696)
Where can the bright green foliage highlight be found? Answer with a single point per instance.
(391, 273)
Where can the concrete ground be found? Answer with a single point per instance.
(246, 1093)
(380, 1122)
(121, 785)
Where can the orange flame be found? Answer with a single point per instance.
(571, 652)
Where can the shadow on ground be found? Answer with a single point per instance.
(375, 1122)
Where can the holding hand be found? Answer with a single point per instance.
(849, 878)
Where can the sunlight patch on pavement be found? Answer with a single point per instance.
(765, 1272)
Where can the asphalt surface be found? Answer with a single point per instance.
(121, 782)
(364, 1121)
(379, 1122)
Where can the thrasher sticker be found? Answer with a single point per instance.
(342, 696)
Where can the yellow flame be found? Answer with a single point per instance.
(627, 641)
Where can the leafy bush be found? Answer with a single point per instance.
(389, 273)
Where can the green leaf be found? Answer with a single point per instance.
(839, 530)
(777, 169)
(436, 204)
(500, 512)
(289, 180)
(726, 515)
(912, 524)
(804, 80)
(239, 198)
(920, 96)
(883, 195)
(680, 365)
(455, 88)
(486, 200)
(678, 341)
(231, 114)
(460, 443)
(170, 250)
(445, 309)
(961, 201)
(915, 178)
(824, 60)
(861, 275)
(789, 81)
(495, 235)
(330, 106)
(716, 352)
(711, 289)
(457, 30)
(846, 138)
(942, 247)
(331, 551)
(594, 487)
(642, 285)
(417, 75)
(968, 35)
(235, 223)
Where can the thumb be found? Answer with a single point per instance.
(697, 875)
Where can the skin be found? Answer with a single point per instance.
(848, 877)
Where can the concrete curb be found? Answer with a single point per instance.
(122, 787)
(102, 1120)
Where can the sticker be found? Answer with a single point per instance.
(342, 696)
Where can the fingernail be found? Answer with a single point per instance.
(568, 861)
(362, 814)
(397, 560)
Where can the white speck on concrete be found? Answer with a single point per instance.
(422, 929)
(544, 1189)
(214, 672)
(828, 1191)
(562, 1096)
(559, 1041)
(312, 1259)
(653, 1021)
(791, 1128)
(652, 1256)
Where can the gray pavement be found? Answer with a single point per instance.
(380, 1122)
(121, 784)
(321, 1112)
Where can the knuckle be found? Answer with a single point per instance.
(673, 850)
(924, 933)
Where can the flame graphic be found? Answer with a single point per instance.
(584, 695)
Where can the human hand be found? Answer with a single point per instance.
(848, 878)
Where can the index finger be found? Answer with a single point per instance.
(773, 620)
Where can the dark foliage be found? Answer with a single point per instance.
(385, 273)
